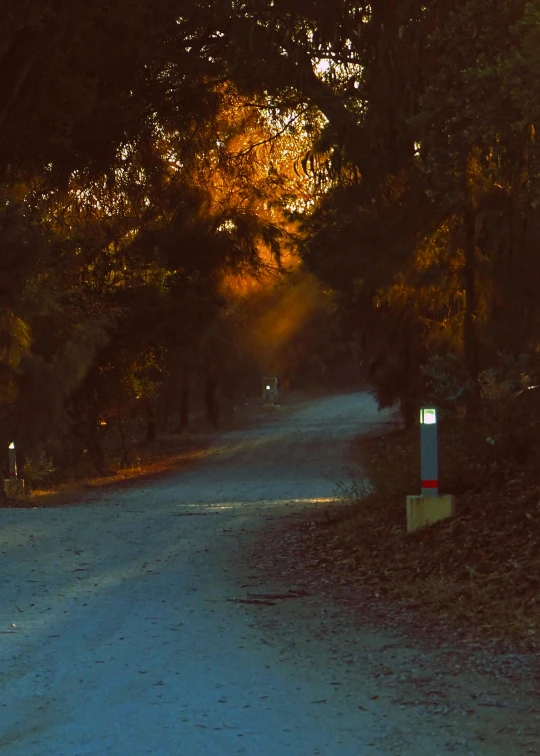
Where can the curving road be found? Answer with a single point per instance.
(119, 636)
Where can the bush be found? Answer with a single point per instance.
(39, 471)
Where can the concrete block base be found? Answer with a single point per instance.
(14, 488)
(426, 510)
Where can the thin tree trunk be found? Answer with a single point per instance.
(150, 425)
(95, 440)
(470, 333)
(122, 435)
(212, 408)
(184, 397)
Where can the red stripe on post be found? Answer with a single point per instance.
(430, 484)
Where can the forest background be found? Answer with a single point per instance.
(197, 193)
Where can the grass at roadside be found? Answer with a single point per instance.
(173, 452)
(479, 571)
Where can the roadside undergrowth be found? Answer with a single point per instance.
(150, 460)
(479, 571)
(169, 451)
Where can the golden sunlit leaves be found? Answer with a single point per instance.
(15, 338)
(15, 343)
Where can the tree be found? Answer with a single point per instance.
(150, 154)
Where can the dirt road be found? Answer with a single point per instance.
(124, 628)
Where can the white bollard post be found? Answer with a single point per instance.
(269, 390)
(12, 460)
(429, 507)
(429, 463)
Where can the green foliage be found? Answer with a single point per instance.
(149, 150)
(439, 227)
(39, 471)
(447, 380)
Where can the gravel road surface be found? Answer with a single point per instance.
(127, 625)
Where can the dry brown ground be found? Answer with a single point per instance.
(477, 575)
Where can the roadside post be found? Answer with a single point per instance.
(269, 390)
(12, 460)
(430, 506)
(14, 486)
(429, 458)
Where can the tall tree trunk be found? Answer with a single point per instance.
(95, 439)
(408, 403)
(184, 397)
(212, 407)
(151, 424)
(470, 333)
(122, 435)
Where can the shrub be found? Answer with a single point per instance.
(39, 471)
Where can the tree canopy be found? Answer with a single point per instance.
(175, 175)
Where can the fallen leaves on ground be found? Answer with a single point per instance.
(478, 572)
